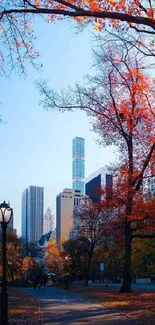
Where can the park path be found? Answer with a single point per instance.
(67, 308)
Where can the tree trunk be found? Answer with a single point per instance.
(126, 285)
(12, 276)
(88, 266)
(86, 281)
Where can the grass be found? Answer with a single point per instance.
(138, 306)
(23, 308)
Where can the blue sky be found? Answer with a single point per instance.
(36, 146)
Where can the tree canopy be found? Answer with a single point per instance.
(17, 18)
(136, 12)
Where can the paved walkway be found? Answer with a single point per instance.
(67, 308)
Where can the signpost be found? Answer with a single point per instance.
(101, 266)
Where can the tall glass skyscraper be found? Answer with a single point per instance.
(78, 164)
(32, 213)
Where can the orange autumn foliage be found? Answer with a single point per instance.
(16, 19)
(95, 10)
(54, 259)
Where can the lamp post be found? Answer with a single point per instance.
(6, 214)
(66, 282)
(25, 276)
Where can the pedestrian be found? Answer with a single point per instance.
(45, 279)
(34, 280)
(53, 280)
(40, 281)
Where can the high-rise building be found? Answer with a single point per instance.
(10, 224)
(32, 213)
(65, 204)
(148, 187)
(24, 215)
(78, 164)
(48, 222)
(99, 181)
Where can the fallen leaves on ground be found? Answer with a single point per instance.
(23, 308)
(139, 306)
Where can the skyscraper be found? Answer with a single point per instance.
(48, 221)
(100, 180)
(10, 224)
(24, 215)
(32, 213)
(65, 204)
(78, 164)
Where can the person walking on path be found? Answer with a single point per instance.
(43, 281)
(34, 280)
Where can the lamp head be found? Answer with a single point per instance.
(6, 213)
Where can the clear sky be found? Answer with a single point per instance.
(36, 146)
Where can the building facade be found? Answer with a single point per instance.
(78, 164)
(148, 187)
(24, 215)
(98, 182)
(10, 224)
(48, 222)
(32, 213)
(65, 204)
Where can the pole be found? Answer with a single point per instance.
(66, 287)
(4, 293)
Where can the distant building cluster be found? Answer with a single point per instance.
(38, 226)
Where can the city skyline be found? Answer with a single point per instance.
(36, 143)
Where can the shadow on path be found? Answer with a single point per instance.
(67, 308)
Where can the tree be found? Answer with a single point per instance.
(111, 253)
(78, 251)
(17, 262)
(54, 259)
(120, 98)
(91, 223)
(16, 18)
(143, 257)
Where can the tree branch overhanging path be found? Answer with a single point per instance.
(87, 9)
(16, 18)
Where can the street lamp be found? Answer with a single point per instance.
(6, 214)
(25, 276)
(66, 282)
